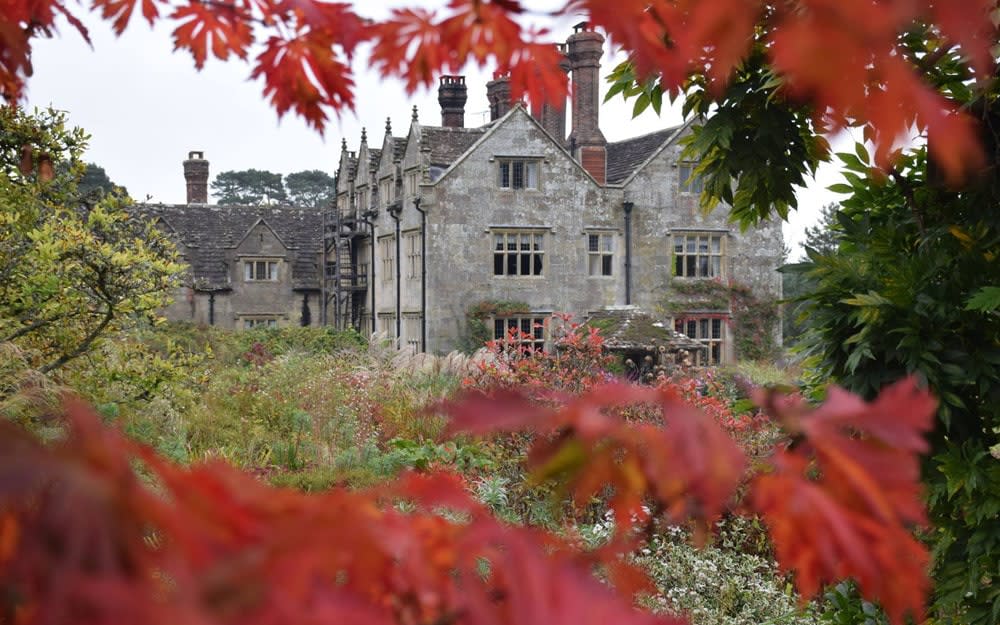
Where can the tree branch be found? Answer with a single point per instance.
(84, 345)
(911, 200)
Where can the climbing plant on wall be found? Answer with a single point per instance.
(751, 318)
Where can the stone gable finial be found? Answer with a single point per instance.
(388, 126)
(414, 118)
(343, 144)
(364, 135)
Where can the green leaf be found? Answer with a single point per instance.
(986, 299)
(641, 104)
(859, 149)
(852, 162)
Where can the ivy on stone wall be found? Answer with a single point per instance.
(478, 331)
(751, 318)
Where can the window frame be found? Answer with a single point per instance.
(600, 259)
(252, 322)
(411, 330)
(387, 255)
(701, 325)
(508, 173)
(414, 260)
(686, 257)
(361, 199)
(691, 183)
(527, 262)
(385, 192)
(536, 324)
(252, 267)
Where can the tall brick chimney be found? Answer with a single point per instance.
(584, 48)
(452, 95)
(498, 93)
(551, 116)
(196, 175)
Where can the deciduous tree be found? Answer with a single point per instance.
(71, 269)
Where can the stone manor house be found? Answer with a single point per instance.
(442, 221)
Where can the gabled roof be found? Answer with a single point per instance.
(207, 232)
(626, 157)
(485, 131)
(448, 144)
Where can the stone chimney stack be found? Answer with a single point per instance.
(196, 175)
(498, 93)
(584, 48)
(552, 116)
(452, 95)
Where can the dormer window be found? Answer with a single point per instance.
(260, 271)
(517, 174)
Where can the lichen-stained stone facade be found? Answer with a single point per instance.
(445, 236)
(247, 265)
(509, 215)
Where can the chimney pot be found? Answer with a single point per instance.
(452, 95)
(498, 94)
(196, 177)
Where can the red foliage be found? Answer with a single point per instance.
(841, 501)
(701, 395)
(850, 488)
(309, 45)
(576, 362)
(84, 539)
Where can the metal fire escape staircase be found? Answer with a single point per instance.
(344, 286)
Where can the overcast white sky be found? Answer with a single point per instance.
(145, 107)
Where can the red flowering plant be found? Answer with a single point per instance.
(574, 363)
(753, 430)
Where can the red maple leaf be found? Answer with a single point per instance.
(120, 12)
(843, 502)
(222, 28)
(301, 74)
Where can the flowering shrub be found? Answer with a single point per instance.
(752, 430)
(576, 363)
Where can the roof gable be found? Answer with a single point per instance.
(411, 151)
(387, 155)
(212, 234)
(261, 222)
(346, 169)
(490, 130)
(363, 164)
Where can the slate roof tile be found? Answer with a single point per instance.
(209, 233)
(448, 144)
(624, 157)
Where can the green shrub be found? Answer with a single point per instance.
(714, 585)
